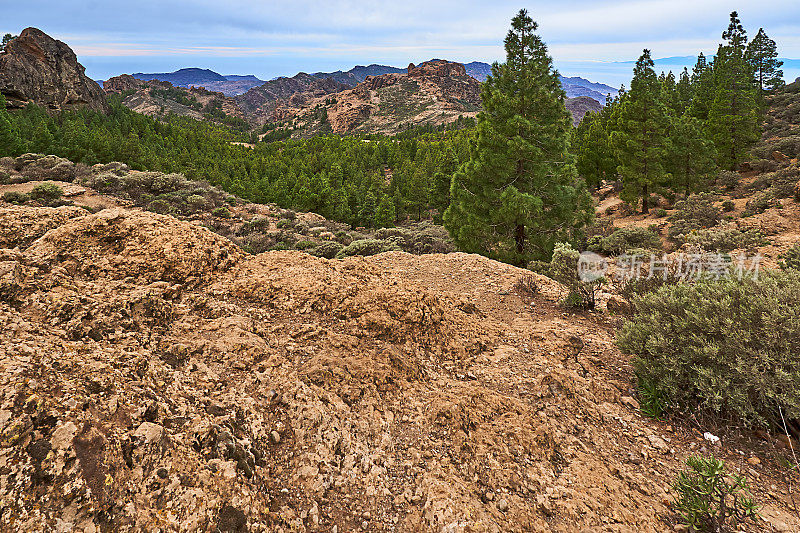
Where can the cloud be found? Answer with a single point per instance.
(270, 37)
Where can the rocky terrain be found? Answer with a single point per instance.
(159, 98)
(581, 105)
(154, 376)
(198, 77)
(35, 68)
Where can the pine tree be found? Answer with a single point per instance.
(733, 117)
(10, 142)
(641, 141)
(702, 88)
(685, 91)
(594, 157)
(385, 214)
(690, 159)
(762, 54)
(518, 195)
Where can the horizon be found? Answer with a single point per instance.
(281, 39)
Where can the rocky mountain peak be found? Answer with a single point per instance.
(37, 68)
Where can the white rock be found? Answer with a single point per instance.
(713, 439)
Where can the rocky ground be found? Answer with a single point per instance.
(155, 377)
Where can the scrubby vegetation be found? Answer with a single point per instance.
(711, 499)
(563, 268)
(726, 346)
(625, 240)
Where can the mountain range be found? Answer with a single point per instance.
(234, 85)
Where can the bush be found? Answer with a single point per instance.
(46, 192)
(709, 499)
(729, 346)
(660, 212)
(367, 247)
(423, 238)
(328, 250)
(196, 202)
(724, 238)
(304, 245)
(624, 240)
(696, 212)
(221, 212)
(728, 206)
(759, 203)
(790, 259)
(14, 197)
(728, 179)
(564, 269)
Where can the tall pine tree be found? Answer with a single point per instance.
(762, 54)
(733, 117)
(641, 141)
(518, 194)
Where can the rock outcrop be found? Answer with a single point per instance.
(35, 68)
(154, 376)
(581, 105)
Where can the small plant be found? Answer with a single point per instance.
(790, 259)
(759, 203)
(660, 212)
(564, 269)
(652, 401)
(728, 206)
(696, 212)
(327, 250)
(304, 245)
(14, 197)
(221, 212)
(728, 179)
(46, 192)
(623, 240)
(708, 499)
(527, 286)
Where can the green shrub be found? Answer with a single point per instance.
(710, 499)
(790, 259)
(724, 238)
(280, 246)
(327, 249)
(564, 269)
(14, 197)
(729, 346)
(623, 240)
(159, 205)
(46, 192)
(696, 212)
(759, 203)
(5, 177)
(660, 212)
(728, 179)
(196, 202)
(367, 247)
(728, 206)
(221, 212)
(304, 245)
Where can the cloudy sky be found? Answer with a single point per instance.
(271, 38)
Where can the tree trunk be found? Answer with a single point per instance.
(519, 238)
(645, 200)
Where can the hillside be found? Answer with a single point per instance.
(160, 363)
(159, 98)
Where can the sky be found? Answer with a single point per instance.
(592, 39)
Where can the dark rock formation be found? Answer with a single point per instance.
(37, 68)
(580, 106)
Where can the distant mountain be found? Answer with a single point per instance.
(183, 77)
(478, 70)
(249, 77)
(359, 73)
(574, 87)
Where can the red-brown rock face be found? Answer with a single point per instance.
(37, 68)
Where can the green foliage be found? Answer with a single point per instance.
(564, 269)
(711, 499)
(759, 203)
(595, 158)
(790, 259)
(641, 140)
(221, 212)
(419, 239)
(46, 192)
(728, 206)
(7, 38)
(728, 179)
(724, 238)
(733, 117)
(762, 55)
(625, 239)
(327, 249)
(331, 175)
(660, 212)
(305, 245)
(518, 194)
(651, 400)
(728, 346)
(366, 247)
(695, 212)
(14, 197)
